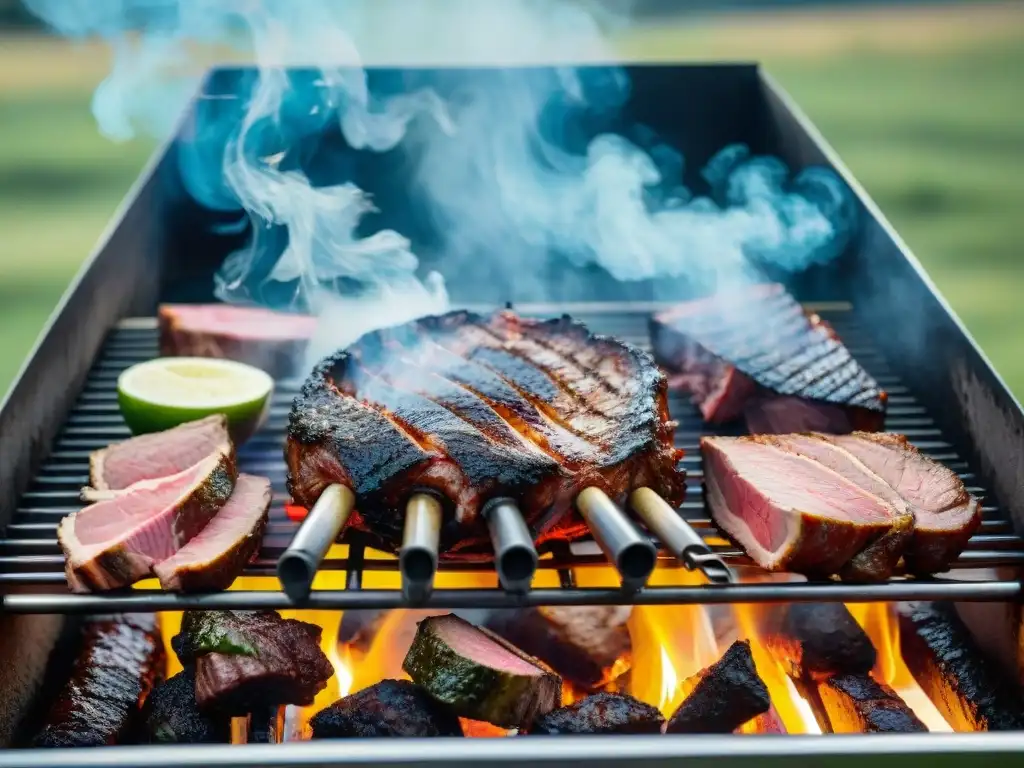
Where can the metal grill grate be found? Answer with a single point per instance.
(31, 564)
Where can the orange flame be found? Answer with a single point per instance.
(879, 622)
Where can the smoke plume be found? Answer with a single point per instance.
(507, 181)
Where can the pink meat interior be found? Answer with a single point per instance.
(149, 457)
(245, 322)
(473, 644)
(234, 520)
(118, 517)
(764, 485)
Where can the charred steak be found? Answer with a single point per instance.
(602, 713)
(474, 407)
(273, 341)
(173, 717)
(152, 456)
(121, 659)
(755, 353)
(389, 708)
(214, 558)
(248, 660)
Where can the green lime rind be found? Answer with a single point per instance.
(144, 415)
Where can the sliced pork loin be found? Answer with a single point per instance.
(754, 353)
(945, 514)
(157, 455)
(115, 542)
(273, 341)
(213, 559)
(788, 511)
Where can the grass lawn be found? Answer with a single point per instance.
(924, 105)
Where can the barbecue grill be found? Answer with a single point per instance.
(162, 246)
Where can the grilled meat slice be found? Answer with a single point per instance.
(724, 696)
(815, 640)
(116, 542)
(602, 713)
(788, 511)
(474, 407)
(273, 341)
(120, 660)
(755, 353)
(581, 643)
(389, 708)
(879, 558)
(860, 704)
(945, 514)
(480, 675)
(247, 660)
(173, 717)
(214, 558)
(969, 690)
(157, 455)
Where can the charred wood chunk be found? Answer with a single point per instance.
(580, 643)
(479, 674)
(172, 715)
(247, 660)
(971, 693)
(601, 713)
(815, 640)
(389, 708)
(860, 704)
(122, 657)
(726, 695)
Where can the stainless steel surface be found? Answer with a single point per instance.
(677, 536)
(632, 553)
(515, 557)
(417, 559)
(299, 563)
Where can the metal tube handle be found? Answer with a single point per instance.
(632, 553)
(515, 557)
(421, 536)
(299, 563)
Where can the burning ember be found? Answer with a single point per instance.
(670, 650)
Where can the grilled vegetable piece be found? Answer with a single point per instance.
(157, 455)
(474, 407)
(815, 640)
(601, 713)
(480, 675)
(122, 657)
(860, 704)
(788, 511)
(273, 341)
(247, 660)
(173, 717)
(216, 556)
(115, 542)
(724, 696)
(969, 690)
(581, 643)
(945, 514)
(755, 353)
(389, 708)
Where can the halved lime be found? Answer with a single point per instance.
(163, 393)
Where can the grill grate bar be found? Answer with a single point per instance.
(31, 562)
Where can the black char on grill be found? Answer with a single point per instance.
(824, 504)
(602, 713)
(172, 716)
(755, 353)
(815, 640)
(250, 660)
(861, 704)
(389, 708)
(474, 407)
(122, 657)
(724, 696)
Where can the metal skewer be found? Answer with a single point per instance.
(515, 557)
(299, 563)
(417, 559)
(678, 537)
(632, 553)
